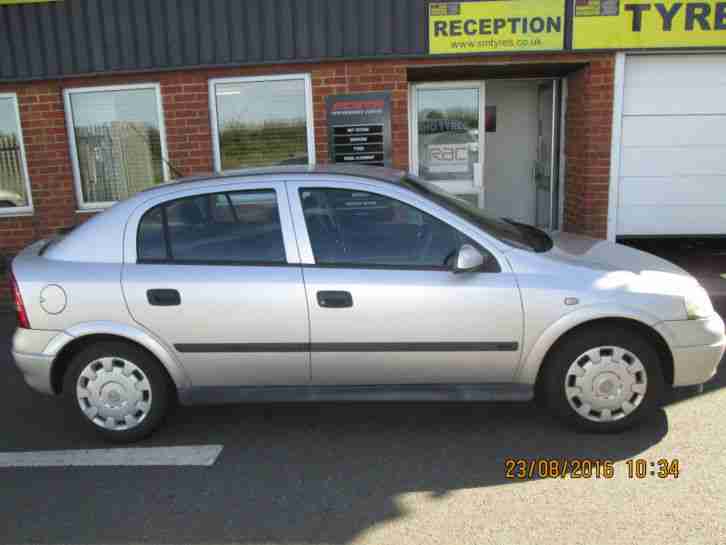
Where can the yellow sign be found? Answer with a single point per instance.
(496, 25)
(627, 24)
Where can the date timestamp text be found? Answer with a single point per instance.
(587, 468)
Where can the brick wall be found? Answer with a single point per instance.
(189, 140)
(587, 146)
(363, 77)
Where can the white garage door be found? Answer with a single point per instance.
(672, 178)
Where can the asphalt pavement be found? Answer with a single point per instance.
(366, 473)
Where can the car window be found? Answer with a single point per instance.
(151, 240)
(524, 237)
(235, 228)
(220, 210)
(251, 208)
(357, 228)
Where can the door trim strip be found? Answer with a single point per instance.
(241, 347)
(348, 347)
(505, 391)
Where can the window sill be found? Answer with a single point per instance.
(92, 210)
(16, 213)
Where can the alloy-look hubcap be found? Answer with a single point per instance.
(606, 383)
(114, 393)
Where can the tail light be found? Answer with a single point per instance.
(21, 314)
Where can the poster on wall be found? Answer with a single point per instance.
(490, 119)
(624, 24)
(359, 128)
(496, 25)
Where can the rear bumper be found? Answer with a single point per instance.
(28, 351)
(36, 370)
(697, 346)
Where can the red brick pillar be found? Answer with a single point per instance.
(185, 96)
(587, 148)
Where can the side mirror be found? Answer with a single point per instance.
(468, 259)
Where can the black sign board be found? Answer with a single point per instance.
(359, 128)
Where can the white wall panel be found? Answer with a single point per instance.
(675, 84)
(670, 220)
(673, 191)
(672, 170)
(675, 130)
(703, 161)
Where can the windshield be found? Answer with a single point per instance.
(510, 232)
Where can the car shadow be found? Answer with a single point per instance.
(314, 473)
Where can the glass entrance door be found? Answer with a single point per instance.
(519, 135)
(448, 137)
(545, 164)
(520, 177)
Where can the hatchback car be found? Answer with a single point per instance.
(361, 284)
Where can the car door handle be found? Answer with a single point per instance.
(163, 298)
(335, 299)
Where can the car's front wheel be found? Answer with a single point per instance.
(603, 379)
(118, 390)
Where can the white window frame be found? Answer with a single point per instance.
(70, 125)
(27, 209)
(309, 114)
(615, 145)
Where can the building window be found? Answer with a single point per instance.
(117, 141)
(14, 187)
(262, 121)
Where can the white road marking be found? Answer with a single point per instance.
(197, 455)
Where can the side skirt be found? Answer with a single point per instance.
(212, 395)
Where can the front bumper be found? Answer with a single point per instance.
(697, 346)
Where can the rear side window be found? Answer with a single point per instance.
(152, 242)
(222, 228)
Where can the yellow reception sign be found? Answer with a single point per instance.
(627, 24)
(496, 25)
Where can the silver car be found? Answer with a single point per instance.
(326, 283)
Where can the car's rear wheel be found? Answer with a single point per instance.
(603, 379)
(118, 390)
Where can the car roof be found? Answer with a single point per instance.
(382, 174)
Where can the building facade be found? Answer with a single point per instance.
(585, 115)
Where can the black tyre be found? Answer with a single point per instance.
(118, 390)
(602, 379)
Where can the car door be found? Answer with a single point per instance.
(215, 275)
(384, 306)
